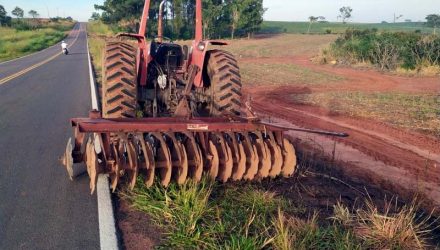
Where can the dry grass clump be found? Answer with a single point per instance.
(365, 228)
(400, 230)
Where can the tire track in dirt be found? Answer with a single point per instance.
(410, 161)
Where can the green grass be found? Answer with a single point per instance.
(336, 28)
(209, 215)
(99, 28)
(419, 112)
(15, 44)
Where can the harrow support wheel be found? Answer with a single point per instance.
(289, 159)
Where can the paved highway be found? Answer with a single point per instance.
(40, 208)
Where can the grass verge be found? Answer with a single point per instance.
(209, 215)
(411, 111)
(15, 43)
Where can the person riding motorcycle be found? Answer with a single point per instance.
(64, 48)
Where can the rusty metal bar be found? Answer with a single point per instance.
(87, 125)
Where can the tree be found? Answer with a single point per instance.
(95, 16)
(34, 14)
(235, 17)
(251, 16)
(18, 12)
(4, 18)
(345, 13)
(397, 17)
(314, 19)
(433, 20)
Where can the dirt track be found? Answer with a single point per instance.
(406, 162)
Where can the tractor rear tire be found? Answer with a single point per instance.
(224, 83)
(119, 89)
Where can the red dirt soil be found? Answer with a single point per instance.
(357, 79)
(406, 160)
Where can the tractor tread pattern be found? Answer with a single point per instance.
(225, 79)
(119, 97)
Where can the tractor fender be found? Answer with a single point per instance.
(198, 55)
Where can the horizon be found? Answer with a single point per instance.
(278, 10)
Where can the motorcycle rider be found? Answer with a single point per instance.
(64, 47)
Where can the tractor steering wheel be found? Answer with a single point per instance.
(164, 38)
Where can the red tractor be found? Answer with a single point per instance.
(153, 78)
(175, 112)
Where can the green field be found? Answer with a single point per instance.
(16, 43)
(336, 28)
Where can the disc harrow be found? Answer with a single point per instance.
(174, 150)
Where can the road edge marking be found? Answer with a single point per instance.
(106, 219)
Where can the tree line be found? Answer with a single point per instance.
(19, 22)
(18, 12)
(221, 18)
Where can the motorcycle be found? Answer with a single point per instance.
(65, 51)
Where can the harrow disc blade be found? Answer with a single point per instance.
(92, 165)
(195, 158)
(163, 162)
(147, 164)
(251, 158)
(241, 166)
(212, 165)
(277, 158)
(114, 174)
(179, 159)
(289, 159)
(132, 170)
(238, 156)
(226, 162)
(67, 159)
(264, 165)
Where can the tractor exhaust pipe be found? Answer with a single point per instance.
(160, 25)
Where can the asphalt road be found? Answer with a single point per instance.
(40, 208)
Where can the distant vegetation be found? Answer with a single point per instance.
(20, 36)
(388, 50)
(221, 18)
(339, 28)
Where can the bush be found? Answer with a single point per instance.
(388, 50)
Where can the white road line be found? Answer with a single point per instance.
(107, 229)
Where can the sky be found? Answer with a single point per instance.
(278, 10)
